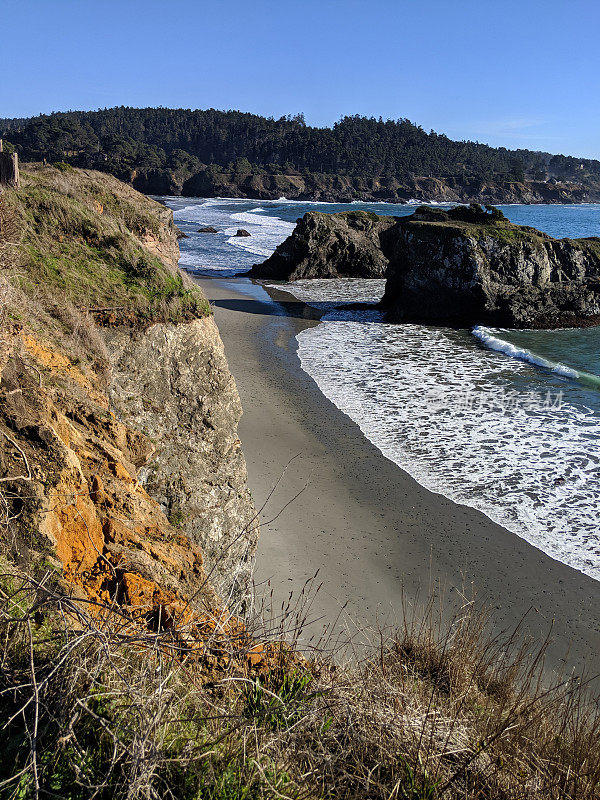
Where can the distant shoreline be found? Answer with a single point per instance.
(272, 197)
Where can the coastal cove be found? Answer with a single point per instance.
(503, 421)
(300, 402)
(376, 539)
(387, 379)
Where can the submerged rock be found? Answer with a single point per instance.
(207, 229)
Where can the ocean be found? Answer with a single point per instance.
(507, 422)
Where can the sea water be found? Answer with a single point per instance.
(507, 422)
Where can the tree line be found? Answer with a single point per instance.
(124, 140)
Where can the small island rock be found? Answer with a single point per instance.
(465, 266)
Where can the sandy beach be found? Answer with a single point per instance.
(376, 538)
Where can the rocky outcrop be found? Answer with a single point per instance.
(118, 413)
(80, 464)
(330, 246)
(173, 383)
(463, 266)
(468, 266)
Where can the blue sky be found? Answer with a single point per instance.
(519, 74)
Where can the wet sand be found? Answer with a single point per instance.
(377, 539)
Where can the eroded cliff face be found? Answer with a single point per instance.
(120, 465)
(467, 266)
(71, 489)
(332, 188)
(330, 246)
(172, 383)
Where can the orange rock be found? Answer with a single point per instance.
(119, 471)
(72, 523)
(97, 492)
(256, 655)
(55, 361)
(138, 590)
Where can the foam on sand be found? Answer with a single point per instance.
(450, 415)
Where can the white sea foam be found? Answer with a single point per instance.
(494, 343)
(181, 213)
(436, 406)
(265, 232)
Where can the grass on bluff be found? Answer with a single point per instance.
(81, 241)
(92, 708)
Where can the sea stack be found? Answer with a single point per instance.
(469, 265)
(343, 245)
(463, 266)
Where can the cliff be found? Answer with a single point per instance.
(462, 267)
(468, 266)
(126, 530)
(260, 184)
(118, 412)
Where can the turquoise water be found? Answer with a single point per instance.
(507, 422)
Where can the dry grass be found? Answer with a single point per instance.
(67, 269)
(92, 708)
(82, 236)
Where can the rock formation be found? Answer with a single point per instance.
(469, 266)
(242, 232)
(331, 188)
(464, 266)
(174, 384)
(120, 418)
(330, 246)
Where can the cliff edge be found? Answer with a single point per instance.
(118, 412)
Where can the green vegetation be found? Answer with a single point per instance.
(162, 145)
(94, 708)
(87, 241)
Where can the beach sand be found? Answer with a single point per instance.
(377, 539)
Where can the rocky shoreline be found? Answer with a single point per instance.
(460, 267)
(329, 188)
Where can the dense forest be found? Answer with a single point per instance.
(161, 149)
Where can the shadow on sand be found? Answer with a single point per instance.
(284, 308)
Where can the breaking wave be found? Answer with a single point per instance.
(493, 342)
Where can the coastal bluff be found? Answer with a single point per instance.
(463, 266)
(116, 393)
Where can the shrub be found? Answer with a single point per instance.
(62, 166)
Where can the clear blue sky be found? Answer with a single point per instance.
(519, 74)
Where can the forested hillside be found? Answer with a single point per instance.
(164, 150)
